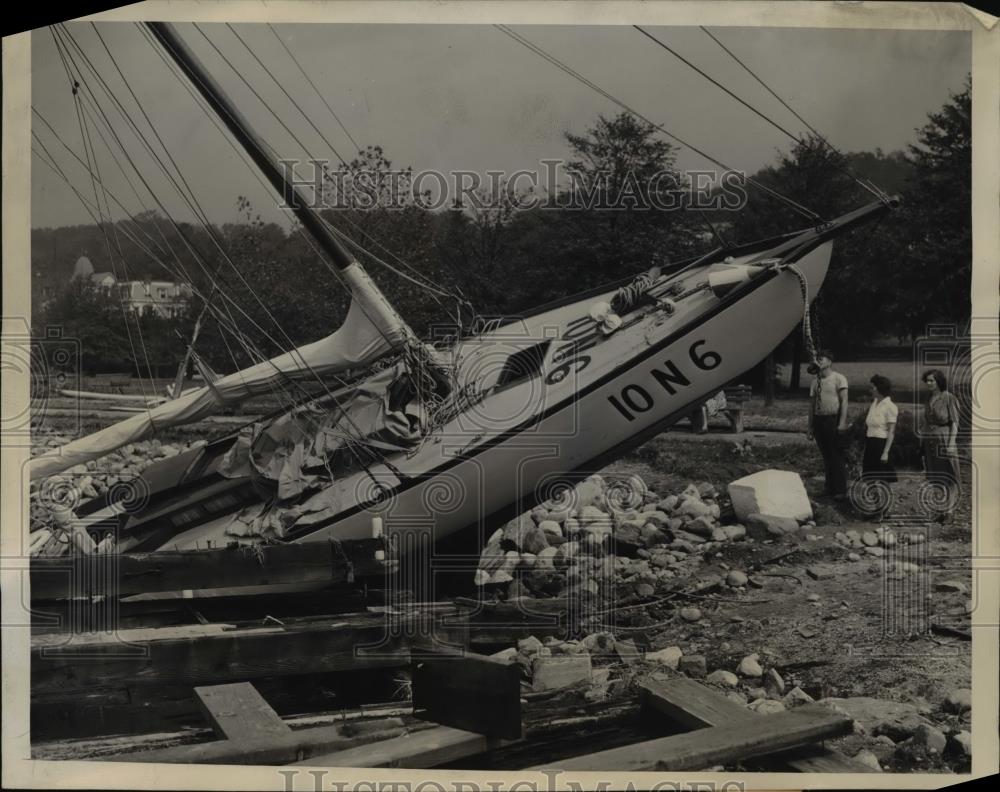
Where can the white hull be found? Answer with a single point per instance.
(501, 453)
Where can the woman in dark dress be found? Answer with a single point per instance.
(939, 431)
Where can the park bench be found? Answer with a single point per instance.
(736, 396)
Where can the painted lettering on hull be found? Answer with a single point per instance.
(634, 399)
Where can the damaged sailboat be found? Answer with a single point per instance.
(436, 439)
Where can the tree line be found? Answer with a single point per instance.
(890, 279)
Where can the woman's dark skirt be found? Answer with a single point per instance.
(872, 466)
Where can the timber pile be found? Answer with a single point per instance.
(687, 726)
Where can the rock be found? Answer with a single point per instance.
(515, 530)
(694, 507)
(589, 492)
(690, 614)
(668, 504)
(539, 514)
(546, 558)
(879, 716)
(841, 537)
(551, 527)
(669, 657)
(773, 682)
(750, 667)
(558, 672)
(813, 598)
(734, 532)
(644, 590)
(481, 578)
(755, 693)
(930, 738)
(796, 697)
(869, 539)
(736, 578)
(959, 701)
(529, 646)
(955, 586)
(657, 519)
(701, 526)
(736, 697)
(767, 706)
(534, 540)
(817, 572)
(566, 552)
(706, 489)
(761, 527)
(723, 678)
(571, 526)
(868, 759)
(853, 538)
(594, 521)
(169, 451)
(718, 535)
(693, 665)
(777, 493)
(878, 552)
(630, 531)
(599, 643)
(853, 557)
(963, 742)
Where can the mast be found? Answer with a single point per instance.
(253, 144)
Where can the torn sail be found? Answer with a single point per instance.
(370, 330)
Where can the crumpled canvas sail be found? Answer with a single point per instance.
(370, 330)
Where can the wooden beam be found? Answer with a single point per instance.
(429, 748)
(238, 712)
(469, 692)
(229, 567)
(695, 706)
(726, 744)
(291, 747)
(215, 653)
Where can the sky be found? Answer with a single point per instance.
(465, 97)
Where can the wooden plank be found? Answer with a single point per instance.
(211, 654)
(690, 704)
(695, 706)
(238, 712)
(138, 573)
(469, 692)
(428, 748)
(726, 744)
(291, 747)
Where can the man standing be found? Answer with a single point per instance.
(828, 422)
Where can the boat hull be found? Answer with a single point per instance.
(494, 466)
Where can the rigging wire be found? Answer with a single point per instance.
(195, 207)
(91, 154)
(311, 83)
(869, 186)
(430, 286)
(659, 127)
(715, 82)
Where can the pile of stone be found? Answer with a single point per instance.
(600, 535)
(52, 520)
(877, 541)
(752, 683)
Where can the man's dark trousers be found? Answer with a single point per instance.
(831, 447)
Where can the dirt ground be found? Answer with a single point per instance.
(855, 629)
(833, 626)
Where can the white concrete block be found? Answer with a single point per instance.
(779, 493)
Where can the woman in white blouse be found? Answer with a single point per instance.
(881, 429)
